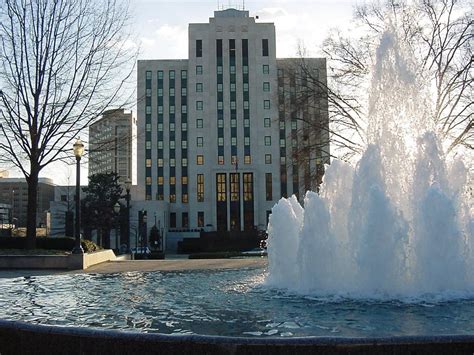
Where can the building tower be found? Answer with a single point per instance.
(221, 127)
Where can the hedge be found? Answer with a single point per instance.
(64, 243)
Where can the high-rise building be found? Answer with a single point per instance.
(112, 144)
(221, 128)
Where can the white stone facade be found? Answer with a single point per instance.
(220, 106)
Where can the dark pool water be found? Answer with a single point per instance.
(225, 302)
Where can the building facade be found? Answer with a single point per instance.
(220, 128)
(14, 192)
(112, 144)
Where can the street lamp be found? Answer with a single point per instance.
(78, 149)
(117, 211)
(128, 186)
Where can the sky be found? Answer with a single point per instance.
(160, 28)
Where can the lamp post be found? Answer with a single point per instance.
(128, 186)
(78, 149)
(117, 211)
(144, 237)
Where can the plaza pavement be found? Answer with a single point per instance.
(173, 263)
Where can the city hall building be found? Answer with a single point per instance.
(219, 131)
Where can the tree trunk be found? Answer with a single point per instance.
(32, 181)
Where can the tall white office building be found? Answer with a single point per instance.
(221, 128)
(112, 144)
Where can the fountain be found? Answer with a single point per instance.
(381, 259)
(398, 225)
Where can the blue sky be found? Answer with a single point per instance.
(160, 29)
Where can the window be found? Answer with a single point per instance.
(220, 141)
(232, 87)
(173, 220)
(148, 180)
(172, 198)
(198, 69)
(220, 123)
(282, 143)
(184, 162)
(200, 187)
(171, 91)
(266, 69)
(282, 124)
(161, 180)
(200, 159)
(160, 162)
(268, 140)
(160, 74)
(183, 91)
(184, 180)
(199, 105)
(148, 144)
(219, 69)
(184, 126)
(148, 92)
(232, 105)
(172, 109)
(268, 187)
(184, 198)
(282, 160)
(171, 74)
(247, 159)
(220, 160)
(160, 127)
(148, 110)
(266, 86)
(247, 141)
(246, 122)
(185, 220)
(148, 163)
(160, 144)
(293, 124)
(220, 87)
(160, 92)
(265, 47)
(199, 48)
(246, 105)
(246, 87)
(220, 105)
(172, 162)
(232, 69)
(199, 123)
(184, 74)
(200, 141)
(266, 104)
(233, 140)
(172, 126)
(198, 87)
(268, 158)
(233, 122)
(200, 220)
(148, 127)
(172, 180)
(267, 122)
(245, 69)
(184, 144)
(160, 109)
(148, 75)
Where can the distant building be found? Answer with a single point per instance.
(112, 144)
(14, 192)
(218, 130)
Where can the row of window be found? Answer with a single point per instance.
(264, 47)
(185, 219)
(200, 71)
(220, 105)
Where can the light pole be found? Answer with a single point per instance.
(117, 211)
(78, 149)
(144, 237)
(128, 186)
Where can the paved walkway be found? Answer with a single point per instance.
(177, 264)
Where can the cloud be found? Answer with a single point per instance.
(166, 42)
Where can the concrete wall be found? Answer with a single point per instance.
(72, 262)
(24, 338)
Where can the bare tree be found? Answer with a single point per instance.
(439, 35)
(62, 63)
